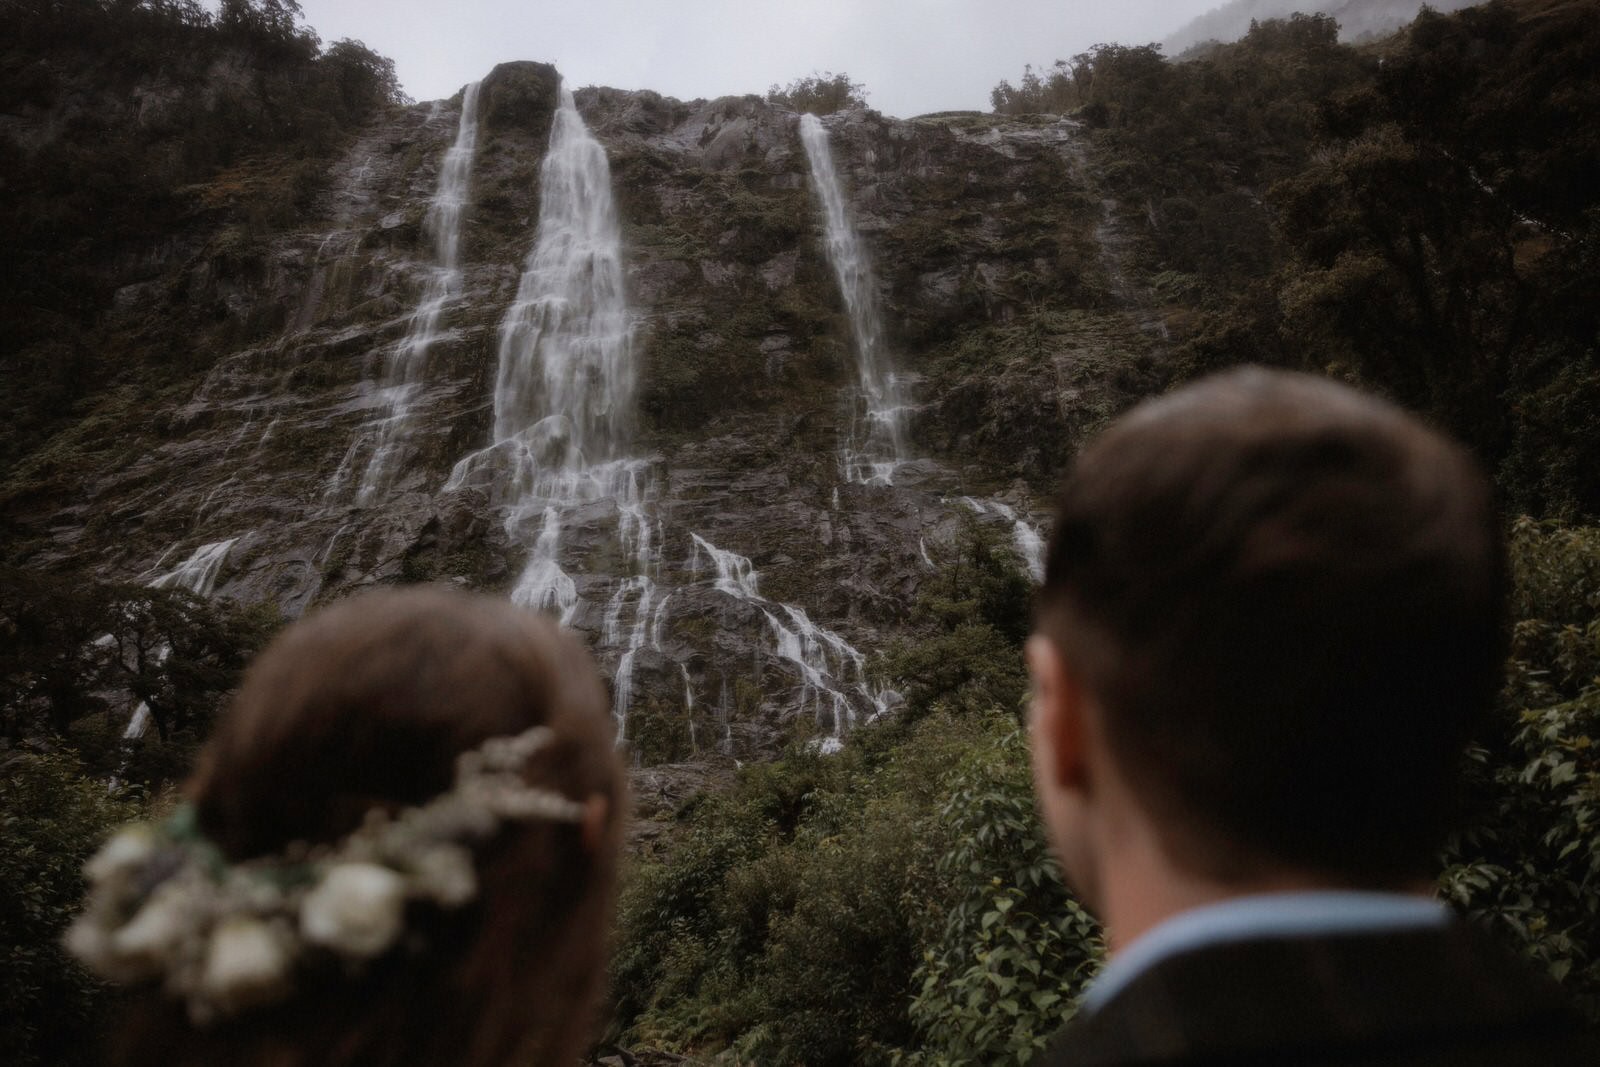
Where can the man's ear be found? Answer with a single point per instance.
(1058, 712)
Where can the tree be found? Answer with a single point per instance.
(55, 817)
(362, 80)
(78, 647)
(970, 622)
(820, 94)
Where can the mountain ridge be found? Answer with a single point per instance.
(1358, 19)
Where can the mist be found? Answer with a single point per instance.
(914, 56)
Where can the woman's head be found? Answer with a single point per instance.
(366, 706)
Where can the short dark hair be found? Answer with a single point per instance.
(1287, 597)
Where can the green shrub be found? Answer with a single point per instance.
(1528, 862)
(968, 624)
(819, 94)
(1016, 949)
(801, 917)
(54, 818)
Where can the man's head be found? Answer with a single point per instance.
(1271, 616)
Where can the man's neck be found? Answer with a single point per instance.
(1137, 897)
(1140, 886)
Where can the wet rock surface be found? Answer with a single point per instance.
(973, 224)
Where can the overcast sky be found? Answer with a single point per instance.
(915, 56)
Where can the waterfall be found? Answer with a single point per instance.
(563, 399)
(648, 626)
(198, 575)
(409, 360)
(563, 405)
(875, 445)
(1030, 545)
(1029, 542)
(736, 575)
(688, 708)
(833, 673)
(725, 716)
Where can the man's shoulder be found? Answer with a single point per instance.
(1446, 995)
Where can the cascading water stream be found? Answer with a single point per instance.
(1026, 537)
(875, 447)
(833, 673)
(409, 360)
(563, 404)
(198, 575)
(688, 708)
(563, 399)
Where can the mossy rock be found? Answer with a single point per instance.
(520, 96)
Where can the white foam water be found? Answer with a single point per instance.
(1029, 542)
(563, 399)
(564, 403)
(833, 673)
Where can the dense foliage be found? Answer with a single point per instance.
(1528, 863)
(55, 816)
(1418, 216)
(103, 156)
(962, 649)
(76, 658)
(819, 94)
(871, 907)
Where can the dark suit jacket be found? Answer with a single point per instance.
(1436, 996)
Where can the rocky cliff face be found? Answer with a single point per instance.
(1005, 312)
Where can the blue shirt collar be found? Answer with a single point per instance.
(1299, 914)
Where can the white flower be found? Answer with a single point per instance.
(355, 909)
(89, 940)
(444, 873)
(145, 942)
(126, 851)
(246, 964)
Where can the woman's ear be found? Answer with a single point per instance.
(595, 813)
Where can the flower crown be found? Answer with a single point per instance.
(164, 902)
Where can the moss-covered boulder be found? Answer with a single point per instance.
(520, 96)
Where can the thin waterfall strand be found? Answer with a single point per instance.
(875, 446)
(409, 361)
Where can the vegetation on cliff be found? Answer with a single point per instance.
(1424, 226)
(819, 94)
(1417, 216)
(105, 160)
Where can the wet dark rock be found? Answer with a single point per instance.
(974, 224)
